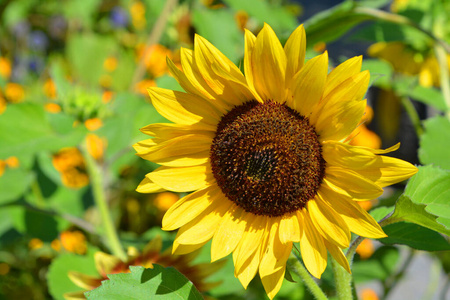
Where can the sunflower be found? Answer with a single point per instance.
(265, 156)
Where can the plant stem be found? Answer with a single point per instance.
(343, 281)
(297, 267)
(96, 178)
(398, 19)
(413, 115)
(154, 37)
(444, 76)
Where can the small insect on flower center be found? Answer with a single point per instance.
(267, 158)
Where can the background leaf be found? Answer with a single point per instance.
(435, 143)
(141, 283)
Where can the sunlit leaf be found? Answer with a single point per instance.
(435, 143)
(141, 283)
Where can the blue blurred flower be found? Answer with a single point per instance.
(38, 40)
(119, 17)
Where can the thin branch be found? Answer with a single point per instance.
(153, 39)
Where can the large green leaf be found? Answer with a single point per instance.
(431, 187)
(414, 236)
(435, 143)
(13, 184)
(141, 283)
(331, 24)
(219, 27)
(58, 281)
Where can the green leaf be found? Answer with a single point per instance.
(332, 23)
(219, 27)
(406, 210)
(278, 17)
(58, 281)
(435, 142)
(414, 236)
(141, 283)
(379, 266)
(380, 72)
(13, 184)
(431, 186)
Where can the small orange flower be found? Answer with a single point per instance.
(2, 104)
(70, 163)
(14, 92)
(5, 67)
(110, 64)
(137, 12)
(52, 108)
(155, 59)
(368, 294)
(73, 241)
(365, 249)
(362, 136)
(95, 146)
(50, 89)
(241, 18)
(12, 162)
(320, 47)
(56, 245)
(142, 86)
(2, 167)
(107, 96)
(163, 201)
(93, 124)
(35, 243)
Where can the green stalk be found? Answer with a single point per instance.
(96, 179)
(413, 115)
(444, 76)
(343, 280)
(297, 267)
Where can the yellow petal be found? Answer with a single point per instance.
(203, 227)
(342, 72)
(290, 229)
(350, 183)
(272, 282)
(84, 281)
(308, 85)
(269, 65)
(248, 269)
(184, 179)
(105, 263)
(382, 170)
(356, 218)
(338, 255)
(250, 41)
(183, 108)
(312, 247)
(179, 249)
(251, 240)
(75, 295)
(276, 253)
(341, 111)
(229, 233)
(295, 49)
(167, 131)
(190, 206)
(147, 186)
(186, 150)
(211, 64)
(330, 225)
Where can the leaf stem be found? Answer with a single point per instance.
(343, 280)
(413, 115)
(444, 76)
(298, 268)
(398, 19)
(96, 178)
(154, 37)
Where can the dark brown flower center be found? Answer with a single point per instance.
(267, 158)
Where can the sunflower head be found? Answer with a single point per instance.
(265, 156)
